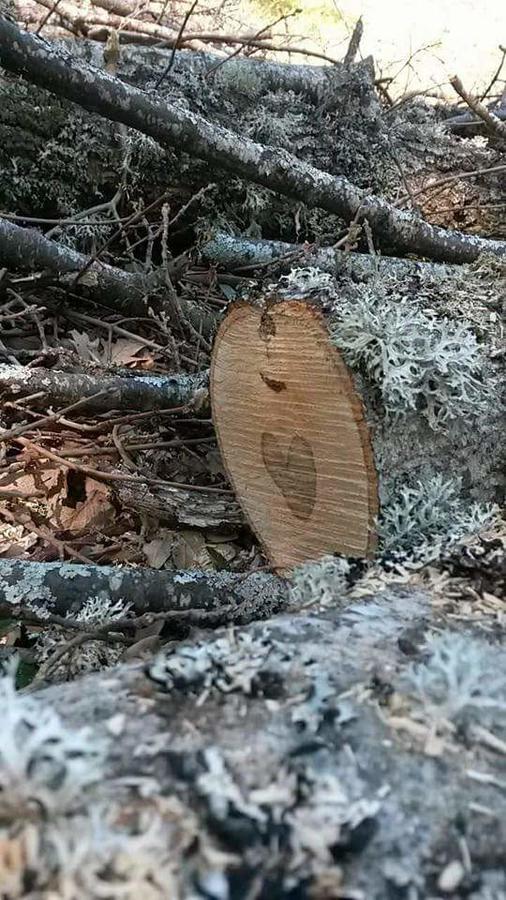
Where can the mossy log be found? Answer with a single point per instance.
(323, 755)
(309, 443)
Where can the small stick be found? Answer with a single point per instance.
(492, 122)
(176, 45)
(48, 16)
(7, 435)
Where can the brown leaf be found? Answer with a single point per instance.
(190, 551)
(92, 514)
(158, 551)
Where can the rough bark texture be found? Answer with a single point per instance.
(386, 326)
(65, 589)
(270, 167)
(175, 506)
(140, 392)
(304, 753)
(240, 252)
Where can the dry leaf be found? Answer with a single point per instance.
(158, 551)
(190, 551)
(92, 514)
(124, 351)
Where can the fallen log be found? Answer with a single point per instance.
(277, 169)
(317, 755)
(325, 392)
(64, 590)
(105, 393)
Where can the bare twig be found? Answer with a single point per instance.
(9, 434)
(492, 122)
(496, 76)
(176, 44)
(354, 44)
(236, 52)
(448, 179)
(114, 476)
(48, 16)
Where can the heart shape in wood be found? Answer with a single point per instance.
(292, 435)
(293, 472)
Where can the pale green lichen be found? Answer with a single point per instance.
(319, 583)
(418, 362)
(422, 516)
(42, 762)
(463, 681)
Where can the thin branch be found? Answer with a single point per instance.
(496, 76)
(448, 179)
(176, 45)
(236, 52)
(354, 44)
(48, 15)
(492, 122)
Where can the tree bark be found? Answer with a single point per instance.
(240, 252)
(273, 168)
(141, 392)
(175, 506)
(65, 589)
(288, 446)
(293, 748)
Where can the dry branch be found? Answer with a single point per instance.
(105, 392)
(492, 122)
(240, 252)
(25, 249)
(65, 589)
(53, 68)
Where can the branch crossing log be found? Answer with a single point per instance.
(292, 434)
(65, 589)
(172, 125)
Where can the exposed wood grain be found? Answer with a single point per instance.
(292, 434)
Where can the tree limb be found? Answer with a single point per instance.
(105, 392)
(240, 252)
(54, 69)
(492, 122)
(65, 589)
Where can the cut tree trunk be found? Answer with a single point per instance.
(309, 445)
(292, 434)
